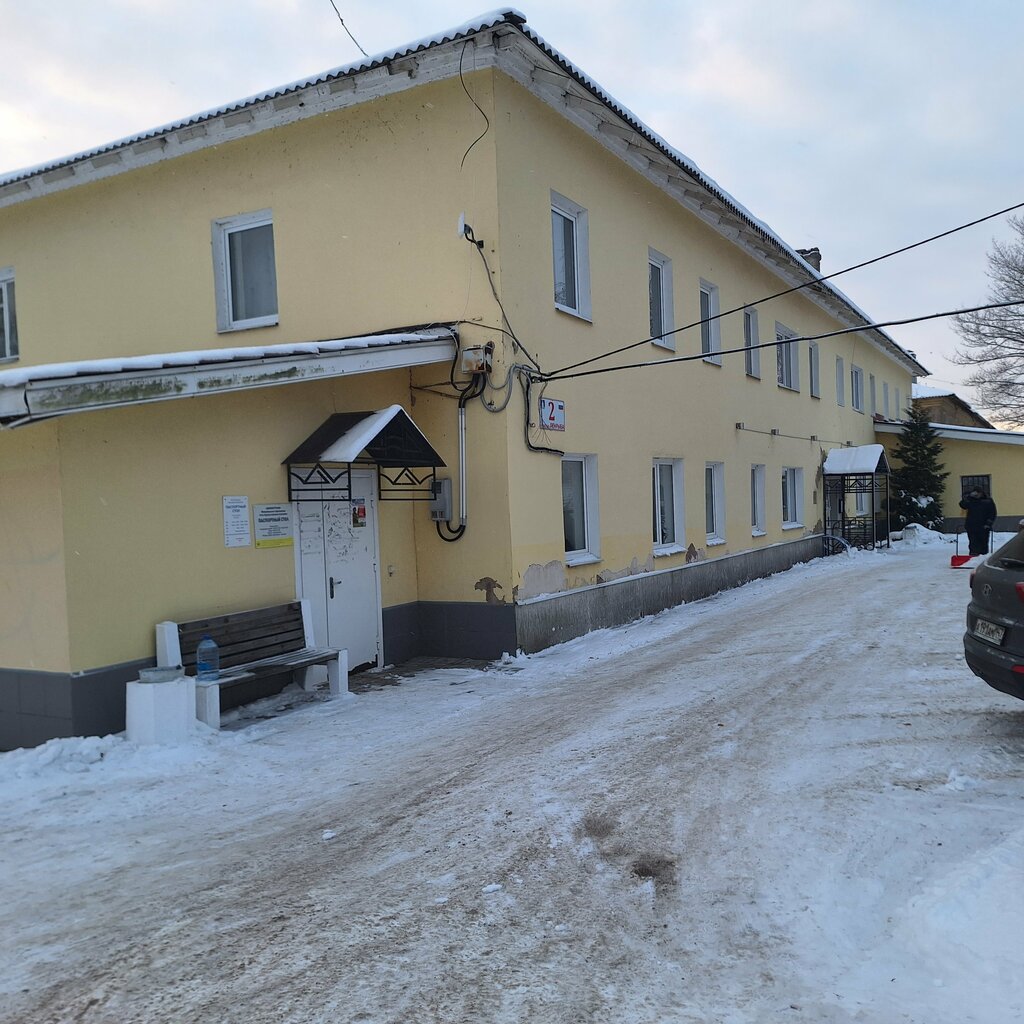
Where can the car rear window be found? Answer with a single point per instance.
(1013, 548)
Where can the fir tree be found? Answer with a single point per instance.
(916, 485)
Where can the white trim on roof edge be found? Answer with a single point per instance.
(955, 432)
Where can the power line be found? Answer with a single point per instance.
(799, 287)
(563, 375)
(345, 27)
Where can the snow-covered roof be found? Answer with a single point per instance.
(515, 19)
(924, 391)
(484, 21)
(954, 431)
(30, 393)
(861, 459)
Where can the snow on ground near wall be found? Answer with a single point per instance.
(814, 817)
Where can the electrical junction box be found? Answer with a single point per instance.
(476, 360)
(441, 503)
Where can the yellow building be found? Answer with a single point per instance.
(439, 253)
(973, 456)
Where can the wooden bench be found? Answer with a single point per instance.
(254, 645)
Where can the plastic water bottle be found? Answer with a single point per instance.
(207, 658)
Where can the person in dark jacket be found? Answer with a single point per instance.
(981, 514)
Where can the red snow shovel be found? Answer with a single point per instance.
(957, 561)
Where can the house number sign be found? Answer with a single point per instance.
(552, 414)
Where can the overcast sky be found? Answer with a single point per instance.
(858, 126)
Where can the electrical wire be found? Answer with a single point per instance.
(487, 126)
(479, 246)
(345, 27)
(806, 284)
(560, 375)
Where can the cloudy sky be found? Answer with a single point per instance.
(858, 126)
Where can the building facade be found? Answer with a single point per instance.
(200, 322)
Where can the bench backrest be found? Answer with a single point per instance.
(245, 636)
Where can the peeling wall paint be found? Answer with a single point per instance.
(489, 586)
(542, 579)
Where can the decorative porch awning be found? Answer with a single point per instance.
(858, 461)
(860, 473)
(320, 468)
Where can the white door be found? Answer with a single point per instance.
(338, 570)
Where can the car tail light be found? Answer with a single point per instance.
(1019, 669)
(1020, 590)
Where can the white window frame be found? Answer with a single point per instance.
(9, 324)
(814, 369)
(660, 262)
(678, 543)
(787, 358)
(872, 394)
(716, 535)
(580, 219)
(751, 339)
(591, 551)
(710, 326)
(857, 388)
(885, 399)
(793, 496)
(898, 411)
(223, 228)
(840, 381)
(758, 522)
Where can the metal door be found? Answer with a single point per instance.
(338, 570)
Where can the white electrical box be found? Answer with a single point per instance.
(476, 360)
(441, 503)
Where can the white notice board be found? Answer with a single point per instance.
(236, 521)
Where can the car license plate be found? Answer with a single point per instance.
(989, 631)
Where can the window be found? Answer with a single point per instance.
(668, 532)
(897, 412)
(840, 382)
(968, 483)
(579, 509)
(752, 356)
(659, 277)
(792, 497)
(710, 334)
(757, 501)
(8, 316)
(857, 388)
(788, 370)
(885, 399)
(714, 502)
(814, 369)
(570, 245)
(244, 271)
(862, 502)
(872, 395)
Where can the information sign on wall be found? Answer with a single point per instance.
(273, 526)
(236, 521)
(552, 414)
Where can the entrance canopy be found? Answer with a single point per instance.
(319, 469)
(857, 495)
(858, 461)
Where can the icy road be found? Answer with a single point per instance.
(790, 802)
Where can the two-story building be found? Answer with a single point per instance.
(459, 261)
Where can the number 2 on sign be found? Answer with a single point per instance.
(552, 414)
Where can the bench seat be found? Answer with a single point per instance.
(254, 645)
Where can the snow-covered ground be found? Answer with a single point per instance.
(790, 802)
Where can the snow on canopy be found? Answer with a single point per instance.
(864, 458)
